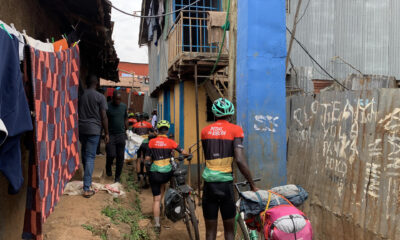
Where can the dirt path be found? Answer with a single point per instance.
(78, 218)
(171, 230)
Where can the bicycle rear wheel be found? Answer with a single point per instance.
(192, 224)
(241, 231)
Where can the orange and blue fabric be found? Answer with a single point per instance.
(55, 81)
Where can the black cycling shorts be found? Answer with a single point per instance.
(157, 179)
(143, 150)
(218, 195)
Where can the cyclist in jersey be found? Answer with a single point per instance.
(131, 120)
(222, 144)
(159, 153)
(143, 129)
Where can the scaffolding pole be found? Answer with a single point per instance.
(197, 131)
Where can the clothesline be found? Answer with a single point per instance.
(153, 16)
(24, 39)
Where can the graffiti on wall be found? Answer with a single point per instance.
(344, 148)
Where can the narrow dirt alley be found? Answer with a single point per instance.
(103, 217)
(171, 230)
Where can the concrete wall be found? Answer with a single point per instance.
(260, 88)
(38, 23)
(344, 149)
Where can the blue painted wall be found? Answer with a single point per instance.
(261, 107)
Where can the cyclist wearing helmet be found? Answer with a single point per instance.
(222, 143)
(144, 129)
(132, 120)
(159, 153)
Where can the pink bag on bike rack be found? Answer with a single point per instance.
(286, 222)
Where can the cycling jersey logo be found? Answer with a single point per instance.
(217, 131)
(160, 144)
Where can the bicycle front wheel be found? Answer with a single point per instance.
(192, 224)
(241, 231)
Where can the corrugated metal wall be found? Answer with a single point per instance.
(158, 55)
(344, 149)
(364, 33)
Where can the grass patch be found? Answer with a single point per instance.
(128, 215)
(96, 231)
(128, 180)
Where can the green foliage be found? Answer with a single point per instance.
(128, 215)
(97, 231)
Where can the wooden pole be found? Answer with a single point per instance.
(197, 129)
(293, 34)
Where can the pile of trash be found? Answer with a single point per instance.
(76, 188)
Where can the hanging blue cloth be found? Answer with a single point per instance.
(14, 111)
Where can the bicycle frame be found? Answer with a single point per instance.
(251, 234)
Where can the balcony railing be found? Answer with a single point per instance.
(190, 35)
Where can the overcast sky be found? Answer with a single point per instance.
(126, 32)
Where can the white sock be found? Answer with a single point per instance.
(157, 221)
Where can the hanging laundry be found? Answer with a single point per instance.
(15, 116)
(150, 22)
(39, 45)
(161, 12)
(60, 45)
(20, 38)
(55, 81)
(3, 132)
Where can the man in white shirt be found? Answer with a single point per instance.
(154, 118)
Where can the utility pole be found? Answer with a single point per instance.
(133, 82)
(293, 34)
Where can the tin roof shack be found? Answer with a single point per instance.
(183, 48)
(51, 18)
(134, 84)
(344, 37)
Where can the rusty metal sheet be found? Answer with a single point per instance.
(344, 149)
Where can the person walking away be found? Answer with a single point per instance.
(98, 151)
(154, 118)
(159, 154)
(222, 143)
(131, 120)
(92, 116)
(143, 129)
(117, 125)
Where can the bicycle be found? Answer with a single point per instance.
(178, 182)
(245, 233)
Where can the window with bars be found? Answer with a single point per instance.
(194, 24)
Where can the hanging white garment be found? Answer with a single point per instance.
(39, 45)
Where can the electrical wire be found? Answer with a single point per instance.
(313, 59)
(304, 13)
(155, 16)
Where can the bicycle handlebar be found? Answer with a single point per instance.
(244, 183)
(182, 157)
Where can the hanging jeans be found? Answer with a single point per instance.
(89, 147)
(116, 149)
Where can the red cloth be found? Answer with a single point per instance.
(60, 45)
